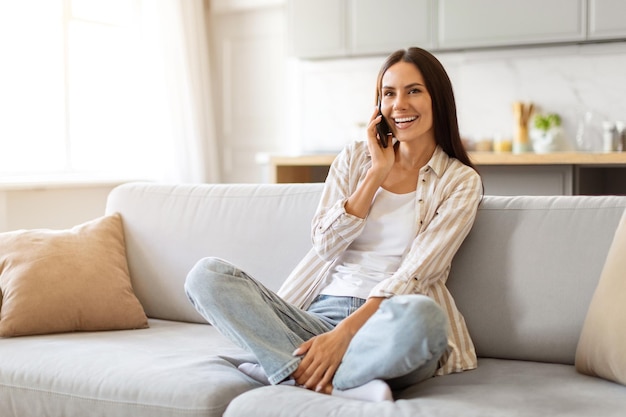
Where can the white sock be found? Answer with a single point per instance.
(374, 391)
(256, 372)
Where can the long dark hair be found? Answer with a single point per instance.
(445, 123)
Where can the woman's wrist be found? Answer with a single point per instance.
(360, 201)
(353, 323)
(376, 176)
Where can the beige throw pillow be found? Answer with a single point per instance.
(67, 280)
(602, 345)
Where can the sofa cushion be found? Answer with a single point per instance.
(498, 387)
(526, 273)
(67, 280)
(603, 341)
(168, 370)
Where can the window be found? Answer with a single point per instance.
(74, 96)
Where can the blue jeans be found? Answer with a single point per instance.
(401, 343)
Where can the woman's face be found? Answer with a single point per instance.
(406, 103)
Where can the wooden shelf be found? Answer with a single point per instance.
(284, 166)
(302, 160)
(294, 169)
(556, 158)
(503, 173)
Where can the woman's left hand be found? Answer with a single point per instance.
(321, 357)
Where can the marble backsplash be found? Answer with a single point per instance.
(333, 99)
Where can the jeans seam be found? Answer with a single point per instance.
(304, 327)
(295, 339)
(356, 304)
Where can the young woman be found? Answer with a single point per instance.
(367, 309)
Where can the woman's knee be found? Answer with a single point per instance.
(203, 276)
(422, 318)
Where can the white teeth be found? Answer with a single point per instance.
(405, 119)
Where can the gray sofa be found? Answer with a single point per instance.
(523, 278)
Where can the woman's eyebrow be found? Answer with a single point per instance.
(406, 87)
(412, 85)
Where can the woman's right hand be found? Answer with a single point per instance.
(360, 201)
(382, 158)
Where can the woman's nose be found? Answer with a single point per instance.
(400, 102)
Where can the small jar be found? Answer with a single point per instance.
(484, 145)
(502, 144)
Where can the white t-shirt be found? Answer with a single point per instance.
(377, 252)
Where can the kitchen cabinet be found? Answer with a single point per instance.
(607, 19)
(487, 23)
(344, 28)
(527, 180)
(341, 28)
(382, 27)
(317, 28)
(559, 173)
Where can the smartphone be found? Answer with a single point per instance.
(383, 130)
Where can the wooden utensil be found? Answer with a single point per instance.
(522, 113)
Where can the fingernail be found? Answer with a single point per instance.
(318, 388)
(296, 352)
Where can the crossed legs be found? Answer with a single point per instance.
(401, 343)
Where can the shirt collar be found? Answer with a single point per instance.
(439, 161)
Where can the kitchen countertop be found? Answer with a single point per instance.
(483, 158)
(554, 158)
(504, 173)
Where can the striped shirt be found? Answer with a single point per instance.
(447, 197)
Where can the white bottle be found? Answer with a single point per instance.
(608, 136)
(621, 136)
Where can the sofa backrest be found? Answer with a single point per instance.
(525, 275)
(263, 229)
(523, 278)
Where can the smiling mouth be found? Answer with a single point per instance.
(402, 120)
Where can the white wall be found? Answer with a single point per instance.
(249, 74)
(337, 97)
(56, 207)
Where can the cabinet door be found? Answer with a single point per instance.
(527, 180)
(381, 27)
(247, 47)
(317, 28)
(484, 23)
(607, 19)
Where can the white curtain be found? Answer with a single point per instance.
(177, 48)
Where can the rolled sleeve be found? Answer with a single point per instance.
(333, 229)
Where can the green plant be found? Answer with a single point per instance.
(546, 122)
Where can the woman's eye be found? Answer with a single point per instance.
(415, 91)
